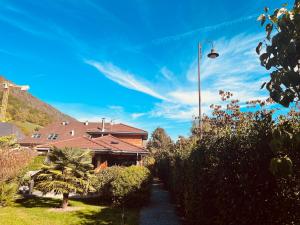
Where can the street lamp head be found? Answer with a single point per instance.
(213, 54)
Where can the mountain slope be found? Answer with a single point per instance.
(28, 112)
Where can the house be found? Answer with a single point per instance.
(7, 129)
(111, 144)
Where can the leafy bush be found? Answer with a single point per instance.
(226, 177)
(8, 141)
(13, 162)
(124, 185)
(8, 192)
(12, 165)
(149, 162)
(36, 163)
(103, 181)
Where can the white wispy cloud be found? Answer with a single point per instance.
(137, 115)
(40, 27)
(124, 78)
(237, 70)
(104, 12)
(167, 74)
(237, 56)
(183, 35)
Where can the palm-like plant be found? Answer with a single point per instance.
(69, 170)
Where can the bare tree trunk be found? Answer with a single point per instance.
(65, 200)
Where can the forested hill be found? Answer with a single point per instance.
(28, 112)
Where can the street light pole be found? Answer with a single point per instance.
(212, 55)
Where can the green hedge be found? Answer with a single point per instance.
(227, 177)
(124, 185)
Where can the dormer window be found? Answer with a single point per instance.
(52, 136)
(65, 123)
(36, 135)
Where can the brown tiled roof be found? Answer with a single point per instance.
(80, 129)
(105, 143)
(77, 142)
(118, 129)
(117, 144)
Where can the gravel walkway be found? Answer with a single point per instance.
(159, 211)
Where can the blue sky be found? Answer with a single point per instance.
(132, 61)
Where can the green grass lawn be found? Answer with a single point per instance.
(36, 211)
(36, 163)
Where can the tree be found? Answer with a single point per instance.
(160, 141)
(69, 171)
(281, 53)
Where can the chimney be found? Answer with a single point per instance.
(86, 123)
(103, 125)
(72, 132)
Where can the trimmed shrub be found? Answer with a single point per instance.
(244, 170)
(103, 181)
(128, 186)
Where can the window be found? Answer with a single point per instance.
(65, 123)
(52, 136)
(36, 135)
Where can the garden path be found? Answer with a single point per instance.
(159, 211)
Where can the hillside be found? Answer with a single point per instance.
(28, 112)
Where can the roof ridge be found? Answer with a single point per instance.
(133, 127)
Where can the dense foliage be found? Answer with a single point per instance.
(68, 171)
(12, 164)
(281, 52)
(128, 186)
(245, 169)
(159, 141)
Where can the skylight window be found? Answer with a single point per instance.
(52, 136)
(36, 135)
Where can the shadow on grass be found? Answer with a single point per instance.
(95, 201)
(38, 202)
(107, 216)
(44, 202)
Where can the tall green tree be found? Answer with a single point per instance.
(69, 171)
(160, 141)
(280, 52)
